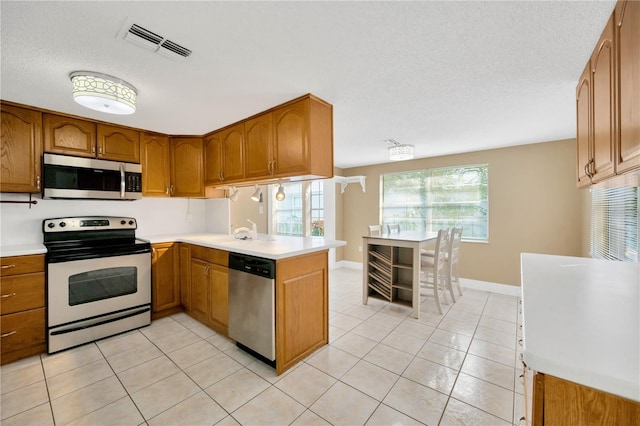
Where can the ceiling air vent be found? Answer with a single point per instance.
(142, 37)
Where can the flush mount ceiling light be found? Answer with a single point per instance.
(398, 151)
(257, 195)
(280, 194)
(102, 92)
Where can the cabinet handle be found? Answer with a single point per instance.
(171, 189)
(273, 166)
(8, 266)
(166, 190)
(221, 174)
(38, 183)
(8, 334)
(100, 150)
(206, 270)
(93, 149)
(4, 296)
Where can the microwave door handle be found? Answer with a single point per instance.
(122, 175)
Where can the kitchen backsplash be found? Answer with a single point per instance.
(20, 224)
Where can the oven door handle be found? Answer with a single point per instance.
(122, 177)
(93, 323)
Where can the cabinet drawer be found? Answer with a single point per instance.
(22, 329)
(21, 292)
(218, 257)
(15, 265)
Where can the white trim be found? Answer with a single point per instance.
(510, 290)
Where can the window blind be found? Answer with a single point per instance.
(614, 224)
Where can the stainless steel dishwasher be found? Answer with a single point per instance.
(252, 305)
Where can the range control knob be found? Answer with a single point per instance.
(51, 224)
(130, 222)
(62, 224)
(122, 222)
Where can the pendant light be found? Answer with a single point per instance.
(280, 194)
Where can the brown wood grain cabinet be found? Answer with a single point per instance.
(22, 323)
(232, 141)
(584, 134)
(118, 143)
(259, 151)
(209, 287)
(212, 159)
(155, 158)
(302, 313)
(627, 31)
(20, 149)
(187, 176)
(185, 275)
(165, 279)
(550, 400)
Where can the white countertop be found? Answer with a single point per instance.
(22, 249)
(268, 246)
(581, 321)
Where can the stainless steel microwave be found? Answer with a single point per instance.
(87, 178)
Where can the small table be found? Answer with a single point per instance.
(391, 265)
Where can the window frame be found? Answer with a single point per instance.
(307, 206)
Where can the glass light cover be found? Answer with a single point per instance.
(103, 93)
(400, 152)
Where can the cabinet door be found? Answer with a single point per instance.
(219, 278)
(156, 165)
(628, 42)
(212, 159)
(258, 146)
(187, 179)
(232, 140)
(20, 149)
(119, 144)
(64, 135)
(165, 278)
(291, 139)
(200, 294)
(185, 275)
(602, 81)
(583, 127)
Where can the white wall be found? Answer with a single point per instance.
(20, 224)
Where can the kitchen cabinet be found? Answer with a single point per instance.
(209, 287)
(155, 158)
(595, 108)
(22, 319)
(185, 275)
(21, 149)
(84, 138)
(303, 138)
(259, 146)
(302, 311)
(165, 279)
(187, 176)
(224, 156)
(627, 29)
(555, 401)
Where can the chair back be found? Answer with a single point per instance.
(454, 246)
(393, 229)
(440, 251)
(374, 230)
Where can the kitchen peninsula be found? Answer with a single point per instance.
(201, 287)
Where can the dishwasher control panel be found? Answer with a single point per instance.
(253, 265)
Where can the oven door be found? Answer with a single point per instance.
(88, 288)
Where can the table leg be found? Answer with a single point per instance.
(416, 281)
(365, 269)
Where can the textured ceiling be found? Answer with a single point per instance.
(448, 77)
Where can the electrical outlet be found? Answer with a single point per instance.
(261, 210)
(360, 249)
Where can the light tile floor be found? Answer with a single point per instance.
(381, 367)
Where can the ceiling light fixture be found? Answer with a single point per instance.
(398, 151)
(257, 195)
(102, 92)
(280, 194)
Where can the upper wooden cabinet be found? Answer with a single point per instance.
(212, 159)
(187, 177)
(627, 31)
(232, 143)
(155, 158)
(20, 149)
(259, 152)
(118, 143)
(608, 100)
(71, 136)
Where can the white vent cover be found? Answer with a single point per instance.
(142, 37)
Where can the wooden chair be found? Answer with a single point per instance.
(393, 229)
(433, 269)
(374, 230)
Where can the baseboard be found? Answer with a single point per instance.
(510, 290)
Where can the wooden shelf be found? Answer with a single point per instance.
(389, 271)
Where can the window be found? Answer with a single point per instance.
(428, 200)
(614, 224)
(301, 213)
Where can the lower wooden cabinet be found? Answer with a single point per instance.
(165, 279)
(22, 323)
(208, 287)
(550, 400)
(302, 310)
